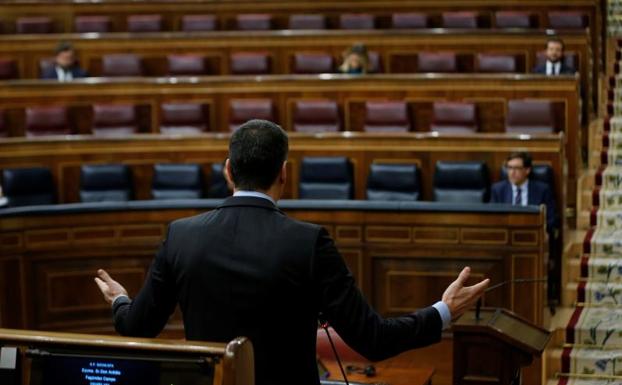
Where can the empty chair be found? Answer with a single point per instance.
(374, 64)
(454, 117)
(437, 62)
(253, 22)
(47, 121)
(4, 128)
(105, 183)
(307, 21)
(495, 63)
(98, 23)
(530, 117)
(183, 65)
(144, 23)
(567, 19)
(121, 65)
(316, 116)
(326, 178)
(217, 183)
(460, 19)
(357, 21)
(28, 186)
(183, 118)
(46, 64)
(243, 110)
(387, 116)
(410, 20)
(513, 19)
(114, 120)
(461, 182)
(250, 63)
(35, 24)
(177, 181)
(8, 69)
(198, 23)
(313, 63)
(393, 182)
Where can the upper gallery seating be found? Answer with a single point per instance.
(454, 117)
(47, 121)
(114, 119)
(250, 63)
(307, 21)
(96, 24)
(121, 65)
(242, 110)
(313, 116)
(387, 116)
(183, 118)
(186, 65)
(313, 63)
(530, 117)
(357, 21)
(460, 19)
(198, 23)
(144, 23)
(253, 22)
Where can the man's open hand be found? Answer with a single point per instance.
(110, 288)
(460, 298)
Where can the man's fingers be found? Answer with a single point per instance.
(104, 275)
(464, 275)
(101, 284)
(481, 286)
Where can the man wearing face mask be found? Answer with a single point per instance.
(65, 67)
(554, 64)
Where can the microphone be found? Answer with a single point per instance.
(478, 306)
(324, 325)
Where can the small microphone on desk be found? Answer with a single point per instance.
(478, 306)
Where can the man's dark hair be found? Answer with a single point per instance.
(527, 161)
(63, 46)
(555, 39)
(257, 151)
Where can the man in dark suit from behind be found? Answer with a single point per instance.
(554, 64)
(247, 269)
(519, 190)
(65, 67)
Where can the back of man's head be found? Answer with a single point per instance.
(257, 151)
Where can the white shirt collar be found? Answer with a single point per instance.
(62, 74)
(523, 187)
(255, 194)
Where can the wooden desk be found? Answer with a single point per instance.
(386, 373)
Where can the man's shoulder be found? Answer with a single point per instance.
(498, 186)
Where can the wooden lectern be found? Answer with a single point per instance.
(494, 348)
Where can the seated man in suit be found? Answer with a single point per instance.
(65, 67)
(247, 269)
(554, 64)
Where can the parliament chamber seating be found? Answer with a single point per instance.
(250, 63)
(177, 181)
(92, 24)
(495, 63)
(46, 64)
(144, 23)
(49, 120)
(307, 21)
(326, 178)
(218, 187)
(198, 23)
(454, 117)
(114, 120)
(8, 69)
(530, 117)
(243, 110)
(461, 182)
(540, 172)
(4, 131)
(513, 19)
(460, 19)
(387, 116)
(253, 22)
(357, 21)
(28, 186)
(567, 19)
(34, 25)
(121, 65)
(409, 20)
(313, 63)
(393, 182)
(186, 65)
(183, 118)
(105, 183)
(570, 59)
(313, 116)
(441, 62)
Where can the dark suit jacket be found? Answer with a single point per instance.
(76, 72)
(539, 193)
(246, 269)
(564, 70)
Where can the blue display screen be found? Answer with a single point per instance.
(90, 371)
